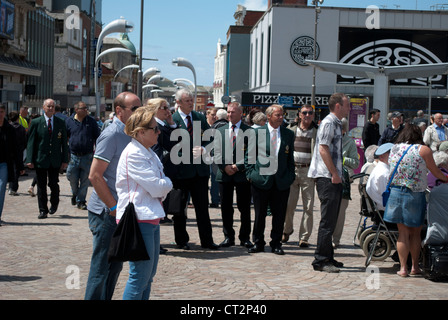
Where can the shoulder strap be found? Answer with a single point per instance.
(396, 167)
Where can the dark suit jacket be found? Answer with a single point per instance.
(285, 174)
(221, 141)
(163, 149)
(190, 170)
(42, 151)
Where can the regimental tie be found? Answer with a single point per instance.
(189, 126)
(233, 136)
(50, 129)
(274, 142)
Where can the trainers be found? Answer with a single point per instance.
(31, 191)
(13, 193)
(82, 205)
(326, 267)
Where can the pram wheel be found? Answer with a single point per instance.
(363, 234)
(379, 250)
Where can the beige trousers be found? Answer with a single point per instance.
(307, 186)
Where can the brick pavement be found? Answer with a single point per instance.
(41, 259)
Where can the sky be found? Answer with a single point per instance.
(191, 29)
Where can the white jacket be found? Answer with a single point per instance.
(148, 186)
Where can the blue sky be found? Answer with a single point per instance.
(191, 29)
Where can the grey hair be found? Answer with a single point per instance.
(182, 92)
(259, 117)
(270, 110)
(221, 114)
(370, 152)
(441, 159)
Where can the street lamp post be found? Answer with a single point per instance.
(316, 17)
(181, 62)
(116, 26)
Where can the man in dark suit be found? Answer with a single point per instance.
(270, 169)
(231, 175)
(47, 152)
(193, 173)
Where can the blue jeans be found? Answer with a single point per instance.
(3, 182)
(141, 273)
(103, 275)
(78, 174)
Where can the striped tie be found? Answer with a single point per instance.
(189, 126)
(233, 136)
(274, 142)
(50, 129)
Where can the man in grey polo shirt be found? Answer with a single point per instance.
(326, 168)
(102, 205)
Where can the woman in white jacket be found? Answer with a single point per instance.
(140, 179)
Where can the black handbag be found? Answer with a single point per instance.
(127, 242)
(175, 202)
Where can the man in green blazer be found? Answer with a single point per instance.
(270, 169)
(193, 173)
(47, 152)
(230, 144)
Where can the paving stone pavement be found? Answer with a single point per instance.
(49, 260)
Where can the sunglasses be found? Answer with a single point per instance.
(156, 129)
(131, 108)
(164, 108)
(307, 113)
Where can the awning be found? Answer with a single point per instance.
(14, 65)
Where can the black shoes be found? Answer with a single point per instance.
(278, 250)
(42, 215)
(256, 248)
(53, 210)
(227, 243)
(246, 244)
(211, 246)
(73, 200)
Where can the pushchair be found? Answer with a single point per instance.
(379, 238)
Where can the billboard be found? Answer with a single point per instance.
(385, 47)
(6, 20)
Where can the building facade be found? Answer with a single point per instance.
(284, 36)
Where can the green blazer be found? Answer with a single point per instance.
(257, 161)
(221, 142)
(187, 169)
(42, 151)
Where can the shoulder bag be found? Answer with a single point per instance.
(386, 193)
(127, 242)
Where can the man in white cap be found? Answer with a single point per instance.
(379, 178)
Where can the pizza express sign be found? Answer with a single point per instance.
(260, 99)
(302, 49)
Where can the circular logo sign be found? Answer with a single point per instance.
(303, 48)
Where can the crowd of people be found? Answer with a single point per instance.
(260, 158)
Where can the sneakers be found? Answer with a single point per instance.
(31, 191)
(13, 193)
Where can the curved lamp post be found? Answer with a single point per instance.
(315, 3)
(116, 26)
(175, 81)
(131, 66)
(150, 72)
(182, 62)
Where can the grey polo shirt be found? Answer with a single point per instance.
(109, 147)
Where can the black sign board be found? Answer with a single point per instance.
(266, 99)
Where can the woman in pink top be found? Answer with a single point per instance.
(140, 179)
